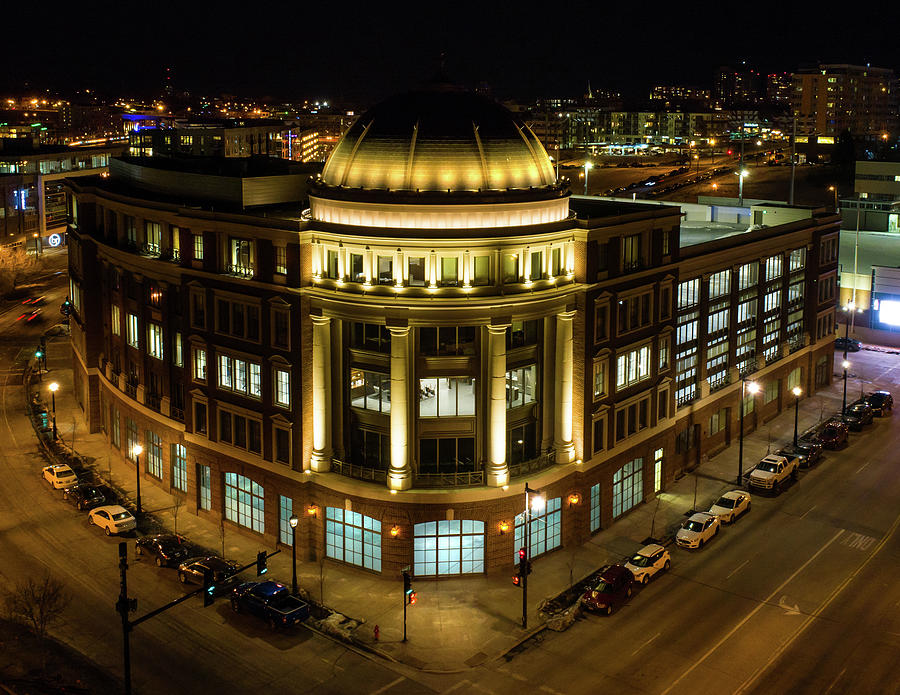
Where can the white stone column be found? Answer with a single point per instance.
(498, 469)
(565, 449)
(320, 460)
(400, 473)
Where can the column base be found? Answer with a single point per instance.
(498, 477)
(399, 480)
(320, 462)
(565, 452)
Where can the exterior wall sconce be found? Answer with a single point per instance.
(574, 498)
(312, 510)
(504, 527)
(395, 531)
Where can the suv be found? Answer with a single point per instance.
(611, 587)
(808, 452)
(833, 434)
(881, 402)
(191, 571)
(858, 415)
(774, 471)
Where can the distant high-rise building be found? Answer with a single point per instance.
(737, 86)
(680, 94)
(779, 87)
(833, 98)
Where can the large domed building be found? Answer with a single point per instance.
(441, 324)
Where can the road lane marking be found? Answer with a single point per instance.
(548, 689)
(513, 674)
(736, 569)
(858, 541)
(758, 608)
(457, 686)
(803, 516)
(834, 682)
(815, 614)
(388, 686)
(646, 643)
(863, 466)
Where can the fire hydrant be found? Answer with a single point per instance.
(377, 632)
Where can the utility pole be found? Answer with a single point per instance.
(741, 167)
(794, 159)
(124, 606)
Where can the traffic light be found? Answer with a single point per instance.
(209, 588)
(407, 588)
(413, 597)
(261, 563)
(38, 354)
(66, 307)
(730, 152)
(517, 580)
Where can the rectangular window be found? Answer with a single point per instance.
(631, 252)
(283, 388)
(200, 364)
(772, 390)
(237, 319)
(179, 467)
(774, 267)
(416, 271)
(285, 512)
(510, 268)
(482, 271)
(448, 547)
(282, 445)
(155, 340)
(115, 431)
(663, 353)
(521, 386)
(178, 351)
(688, 293)
(204, 487)
(718, 421)
(447, 340)
(370, 390)
(372, 449)
(793, 379)
(632, 367)
(280, 260)
(657, 469)
(281, 328)
(546, 529)
(198, 310)
(198, 247)
(628, 487)
(447, 396)
(537, 265)
(131, 438)
(601, 323)
(522, 334)
(245, 502)
(748, 275)
(449, 271)
(130, 230)
(353, 538)
(116, 320)
(798, 259)
(719, 284)
(154, 455)
(385, 270)
(153, 237)
(331, 265)
(599, 439)
(199, 417)
(356, 268)
(131, 330)
(226, 372)
(599, 379)
(241, 257)
(370, 336)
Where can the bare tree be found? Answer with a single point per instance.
(177, 504)
(37, 603)
(14, 264)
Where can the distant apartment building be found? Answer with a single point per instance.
(876, 206)
(680, 94)
(779, 88)
(225, 138)
(736, 86)
(645, 127)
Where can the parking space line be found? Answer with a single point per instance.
(388, 686)
(646, 643)
(862, 466)
(737, 568)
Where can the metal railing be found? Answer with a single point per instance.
(467, 479)
(153, 400)
(131, 390)
(242, 271)
(537, 464)
(359, 472)
(177, 413)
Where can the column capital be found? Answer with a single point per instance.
(567, 315)
(398, 331)
(319, 319)
(498, 328)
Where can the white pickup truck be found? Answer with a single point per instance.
(774, 471)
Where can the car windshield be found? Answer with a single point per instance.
(726, 502)
(858, 408)
(641, 561)
(767, 466)
(88, 491)
(603, 587)
(830, 431)
(693, 526)
(120, 516)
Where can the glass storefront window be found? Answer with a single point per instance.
(244, 502)
(370, 390)
(353, 538)
(448, 547)
(446, 396)
(546, 526)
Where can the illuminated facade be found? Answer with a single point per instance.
(442, 324)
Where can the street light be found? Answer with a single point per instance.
(753, 388)
(137, 450)
(533, 500)
(833, 189)
(587, 167)
(54, 387)
(712, 150)
(846, 365)
(742, 174)
(850, 311)
(293, 521)
(796, 391)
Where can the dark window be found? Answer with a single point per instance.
(282, 445)
(599, 443)
(602, 257)
(281, 324)
(416, 271)
(198, 311)
(370, 336)
(601, 321)
(521, 443)
(450, 340)
(239, 427)
(331, 269)
(224, 426)
(522, 333)
(254, 436)
(447, 455)
(200, 418)
(371, 449)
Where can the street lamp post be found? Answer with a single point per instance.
(796, 391)
(833, 189)
(587, 167)
(293, 522)
(535, 502)
(846, 365)
(137, 450)
(712, 151)
(54, 387)
(753, 388)
(742, 174)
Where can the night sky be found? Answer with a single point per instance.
(331, 50)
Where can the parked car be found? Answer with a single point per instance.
(881, 402)
(731, 505)
(858, 415)
(698, 530)
(647, 562)
(833, 434)
(271, 601)
(847, 344)
(191, 571)
(808, 452)
(167, 547)
(112, 518)
(84, 496)
(60, 476)
(774, 471)
(613, 586)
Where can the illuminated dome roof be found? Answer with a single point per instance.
(439, 139)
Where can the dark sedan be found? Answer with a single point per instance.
(168, 548)
(833, 434)
(84, 496)
(881, 402)
(191, 571)
(807, 452)
(847, 344)
(858, 415)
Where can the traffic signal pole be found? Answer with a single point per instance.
(122, 605)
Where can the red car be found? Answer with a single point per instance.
(833, 434)
(610, 588)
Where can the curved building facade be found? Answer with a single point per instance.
(441, 324)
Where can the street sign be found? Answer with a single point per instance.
(54, 240)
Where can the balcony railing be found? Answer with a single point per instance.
(152, 400)
(718, 381)
(178, 413)
(241, 271)
(469, 479)
(540, 463)
(359, 472)
(150, 249)
(131, 390)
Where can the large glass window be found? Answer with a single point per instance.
(241, 257)
(448, 548)
(200, 364)
(447, 455)
(628, 486)
(131, 330)
(155, 340)
(448, 340)
(521, 386)
(546, 529)
(416, 276)
(285, 512)
(370, 449)
(283, 388)
(522, 333)
(688, 293)
(116, 320)
(633, 366)
(370, 336)
(245, 502)
(370, 390)
(131, 438)
(521, 443)
(240, 375)
(154, 454)
(204, 487)
(353, 538)
(447, 396)
(482, 270)
(595, 507)
(449, 271)
(179, 467)
(153, 234)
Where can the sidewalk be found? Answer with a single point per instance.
(457, 623)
